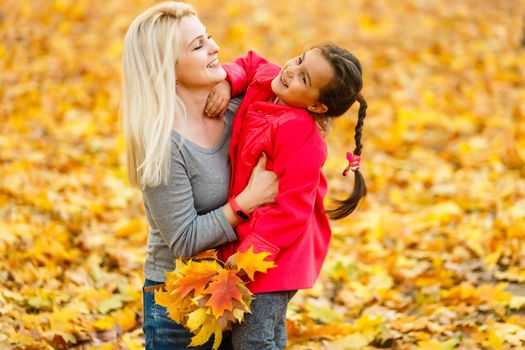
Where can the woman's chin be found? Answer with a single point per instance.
(217, 74)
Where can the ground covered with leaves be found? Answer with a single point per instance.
(434, 258)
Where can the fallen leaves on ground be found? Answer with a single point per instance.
(434, 258)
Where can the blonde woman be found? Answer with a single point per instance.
(176, 155)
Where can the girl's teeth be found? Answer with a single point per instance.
(282, 81)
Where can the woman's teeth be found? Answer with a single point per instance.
(213, 63)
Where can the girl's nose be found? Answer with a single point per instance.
(289, 72)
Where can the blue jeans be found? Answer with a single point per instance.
(162, 333)
(265, 327)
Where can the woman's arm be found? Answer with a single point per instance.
(261, 189)
(172, 208)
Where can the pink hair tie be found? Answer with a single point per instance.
(353, 163)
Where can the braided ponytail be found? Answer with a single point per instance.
(347, 206)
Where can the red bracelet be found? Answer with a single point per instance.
(243, 214)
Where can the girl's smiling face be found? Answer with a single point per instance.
(301, 80)
(198, 62)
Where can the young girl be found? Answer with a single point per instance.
(281, 115)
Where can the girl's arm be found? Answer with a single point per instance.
(299, 156)
(240, 72)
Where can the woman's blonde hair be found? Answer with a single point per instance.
(149, 103)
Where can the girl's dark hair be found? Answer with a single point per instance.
(339, 95)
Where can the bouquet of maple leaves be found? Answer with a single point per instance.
(207, 296)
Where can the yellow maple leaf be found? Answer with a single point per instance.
(206, 331)
(197, 319)
(238, 314)
(176, 307)
(251, 262)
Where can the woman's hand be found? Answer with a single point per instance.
(218, 100)
(261, 189)
(231, 263)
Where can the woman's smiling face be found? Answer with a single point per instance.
(302, 78)
(198, 63)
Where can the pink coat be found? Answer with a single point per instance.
(295, 230)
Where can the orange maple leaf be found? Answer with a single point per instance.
(207, 254)
(201, 274)
(224, 289)
(251, 262)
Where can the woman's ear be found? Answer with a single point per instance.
(318, 108)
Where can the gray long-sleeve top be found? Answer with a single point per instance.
(184, 215)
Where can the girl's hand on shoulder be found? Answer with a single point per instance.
(218, 100)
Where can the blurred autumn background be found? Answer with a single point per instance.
(434, 258)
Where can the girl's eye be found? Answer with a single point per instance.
(299, 60)
(304, 78)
